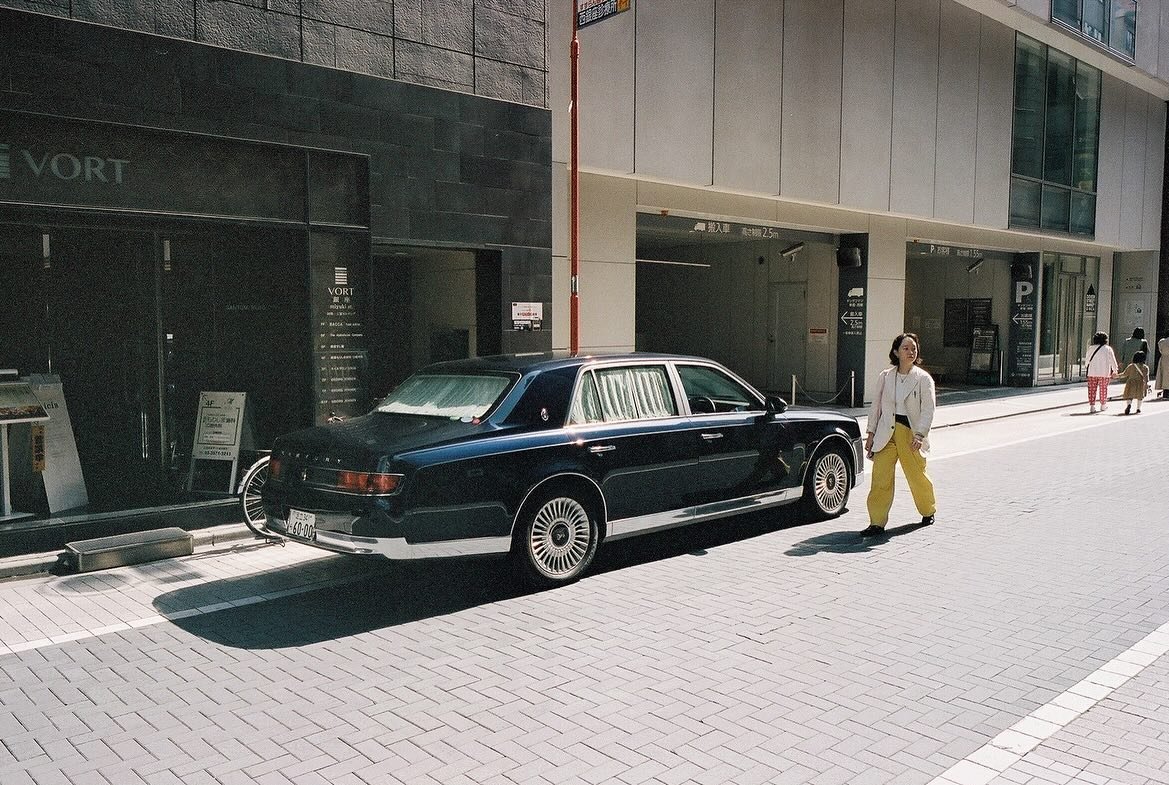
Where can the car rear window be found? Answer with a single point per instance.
(455, 396)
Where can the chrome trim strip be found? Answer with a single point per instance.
(641, 524)
(397, 548)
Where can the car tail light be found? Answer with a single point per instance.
(373, 483)
(275, 467)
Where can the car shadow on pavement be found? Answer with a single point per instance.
(849, 541)
(354, 596)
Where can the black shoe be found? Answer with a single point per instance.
(1126, 409)
(926, 520)
(873, 531)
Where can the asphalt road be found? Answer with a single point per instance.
(1022, 638)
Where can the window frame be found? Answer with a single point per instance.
(1105, 41)
(1070, 193)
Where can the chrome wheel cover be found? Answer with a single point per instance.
(560, 538)
(830, 483)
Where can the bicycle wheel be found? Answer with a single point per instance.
(249, 497)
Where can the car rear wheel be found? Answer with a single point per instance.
(827, 485)
(559, 540)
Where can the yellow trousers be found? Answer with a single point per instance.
(912, 461)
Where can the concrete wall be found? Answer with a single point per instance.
(485, 47)
(836, 103)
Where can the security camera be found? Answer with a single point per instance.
(792, 250)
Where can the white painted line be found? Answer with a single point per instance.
(1009, 747)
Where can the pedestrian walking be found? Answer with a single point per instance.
(1133, 344)
(1136, 382)
(1101, 368)
(1163, 367)
(898, 431)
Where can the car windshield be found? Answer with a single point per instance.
(455, 396)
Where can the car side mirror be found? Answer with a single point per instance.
(776, 405)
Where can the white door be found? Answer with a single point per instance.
(785, 336)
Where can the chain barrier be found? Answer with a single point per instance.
(807, 395)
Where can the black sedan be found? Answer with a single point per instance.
(546, 457)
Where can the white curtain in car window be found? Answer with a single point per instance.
(587, 406)
(616, 395)
(632, 393)
(651, 392)
(445, 396)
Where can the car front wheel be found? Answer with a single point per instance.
(559, 540)
(827, 486)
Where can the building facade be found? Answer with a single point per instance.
(300, 202)
(785, 186)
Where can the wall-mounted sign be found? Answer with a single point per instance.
(1090, 301)
(340, 353)
(851, 304)
(86, 164)
(527, 316)
(1133, 283)
(818, 335)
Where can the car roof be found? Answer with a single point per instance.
(526, 363)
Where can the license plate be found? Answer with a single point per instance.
(302, 525)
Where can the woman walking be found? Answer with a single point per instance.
(1101, 368)
(898, 431)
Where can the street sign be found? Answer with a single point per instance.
(591, 11)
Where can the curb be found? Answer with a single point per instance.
(43, 563)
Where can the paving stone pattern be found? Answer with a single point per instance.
(747, 651)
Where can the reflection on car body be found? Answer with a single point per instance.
(546, 457)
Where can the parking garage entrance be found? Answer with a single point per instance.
(764, 300)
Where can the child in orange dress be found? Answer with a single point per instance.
(1136, 382)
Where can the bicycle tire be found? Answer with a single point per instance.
(250, 489)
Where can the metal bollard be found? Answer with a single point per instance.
(793, 390)
(852, 389)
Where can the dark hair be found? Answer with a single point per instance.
(1138, 332)
(1139, 357)
(893, 358)
(1099, 339)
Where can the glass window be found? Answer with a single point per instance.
(586, 408)
(1055, 140)
(1055, 208)
(1024, 202)
(637, 392)
(1123, 33)
(1085, 144)
(1066, 11)
(1110, 23)
(1030, 90)
(445, 395)
(710, 390)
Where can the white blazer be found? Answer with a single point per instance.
(917, 392)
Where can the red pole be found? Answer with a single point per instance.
(573, 199)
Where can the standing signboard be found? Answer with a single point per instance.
(1022, 330)
(221, 426)
(62, 477)
(18, 404)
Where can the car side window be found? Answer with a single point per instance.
(586, 407)
(709, 390)
(638, 392)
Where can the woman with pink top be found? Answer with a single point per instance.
(1102, 367)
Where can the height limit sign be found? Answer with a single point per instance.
(590, 11)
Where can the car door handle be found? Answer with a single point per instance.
(596, 449)
(711, 436)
